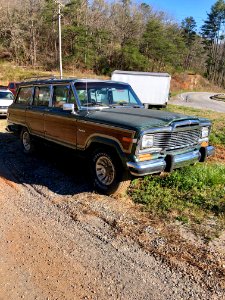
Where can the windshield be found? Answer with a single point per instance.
(106, 94)
(6, 95)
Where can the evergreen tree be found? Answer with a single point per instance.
(214, 42)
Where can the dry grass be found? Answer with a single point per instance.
(10, 72)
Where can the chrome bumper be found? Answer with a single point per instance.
(170, 162)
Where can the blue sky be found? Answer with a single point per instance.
(179, 9)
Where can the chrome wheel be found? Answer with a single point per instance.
(26, 141)
(105, 170)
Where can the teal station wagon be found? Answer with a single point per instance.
(106, 122)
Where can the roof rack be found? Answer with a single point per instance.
(40, 78)
(51, 77)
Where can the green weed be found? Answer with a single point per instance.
(191, 193)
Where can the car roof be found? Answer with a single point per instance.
(5, 90)
(67, 80)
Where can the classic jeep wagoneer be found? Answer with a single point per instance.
(105, 121)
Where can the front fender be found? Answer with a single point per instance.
(109, 142)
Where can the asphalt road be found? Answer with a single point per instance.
(199, 100)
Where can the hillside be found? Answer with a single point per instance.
(192, 82)
(12, 72)
(179, 83)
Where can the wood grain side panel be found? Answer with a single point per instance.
(63, 129)
(87, 130)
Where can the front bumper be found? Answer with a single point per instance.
(169, 162)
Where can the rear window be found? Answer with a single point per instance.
(12, 85)
(6, 95)
(25, 96)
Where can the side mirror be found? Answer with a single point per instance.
(69, 107)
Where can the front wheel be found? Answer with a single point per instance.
(27, 144)
(109, 176)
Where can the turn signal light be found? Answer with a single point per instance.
(204, 144)
(143, 157)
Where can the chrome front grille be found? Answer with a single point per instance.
(176, 139)
(3, 107)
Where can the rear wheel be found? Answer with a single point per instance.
(108, 174)
(27, 143)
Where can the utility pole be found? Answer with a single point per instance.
(60, 37)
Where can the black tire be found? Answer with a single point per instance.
(27, 143)
(108, 174)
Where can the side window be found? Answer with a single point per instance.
(131, 98)
(25, 96)
(62, 94)
(41, 96)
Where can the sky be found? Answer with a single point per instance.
(180, 9)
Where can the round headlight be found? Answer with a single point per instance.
(205, 132)
(147, 141)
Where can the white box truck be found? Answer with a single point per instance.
(152, 88)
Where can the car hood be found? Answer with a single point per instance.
(136, 118)
(5, 102)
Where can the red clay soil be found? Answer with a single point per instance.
(219, 154)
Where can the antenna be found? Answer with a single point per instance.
(60, 36)
(86, 49)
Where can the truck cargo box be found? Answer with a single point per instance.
(152, 88)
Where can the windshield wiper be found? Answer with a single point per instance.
(126, 104)
(93, 104)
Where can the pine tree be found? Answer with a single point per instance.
(214, 41)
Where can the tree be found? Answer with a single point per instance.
(162, 44)
(193, 44)
(214, 42)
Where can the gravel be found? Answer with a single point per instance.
(60, 240)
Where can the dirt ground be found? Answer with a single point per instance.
(59, 240)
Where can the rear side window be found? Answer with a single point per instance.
(41, 96)
(12, 85)
(25, 96)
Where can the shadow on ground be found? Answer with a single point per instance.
(56, 168)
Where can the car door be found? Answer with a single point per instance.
(35, 112)
(17, 111)
(61, 125)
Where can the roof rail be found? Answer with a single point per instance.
(41, 78)
(51, 77)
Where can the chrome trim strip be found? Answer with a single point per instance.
(185, 123)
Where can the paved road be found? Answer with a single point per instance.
(199, 100)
